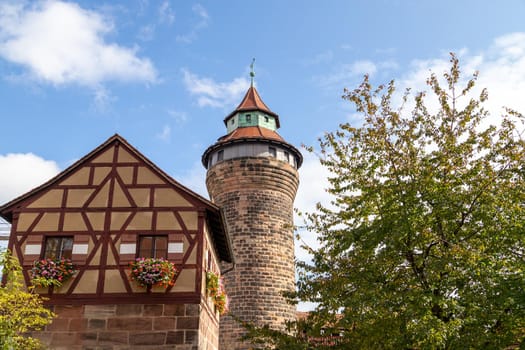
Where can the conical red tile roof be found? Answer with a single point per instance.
(252, 101)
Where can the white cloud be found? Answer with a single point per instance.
(166, 14)
(202, 13)
(313, 179)
(313, 183)
(102, 99)
(147, 32)
(321, 58)
(23, 172)
(346, 73)
(180, 117)
(213, 94)
(62, 43)
(165, 134)
(202, 22)
(501, 70)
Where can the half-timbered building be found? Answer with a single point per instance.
(109, 208)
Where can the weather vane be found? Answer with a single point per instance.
(252, 73)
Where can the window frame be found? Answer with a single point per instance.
(153, 252)
(61, 251)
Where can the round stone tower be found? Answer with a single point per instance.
(252, 176)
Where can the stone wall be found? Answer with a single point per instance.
(132, 326)
(209, 330)
(256, 195)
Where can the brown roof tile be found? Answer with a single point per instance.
(252, 102)
(251, 132)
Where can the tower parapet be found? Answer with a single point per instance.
(252, 175)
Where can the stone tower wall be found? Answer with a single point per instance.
(256, 195)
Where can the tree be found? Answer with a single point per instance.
(422, 246)
(21, 311)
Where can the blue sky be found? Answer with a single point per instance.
(164, 74)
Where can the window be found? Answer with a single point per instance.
(58, 248)
(248, 118)
(232, 122)
(153, 247)
(287, 157)
(266, 119)
(273, 151)
(220, 155)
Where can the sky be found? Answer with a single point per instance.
(164, 74)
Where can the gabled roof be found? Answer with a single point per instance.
(252, 102)
(213, 212)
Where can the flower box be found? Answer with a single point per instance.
(149, 272)
(51, 272)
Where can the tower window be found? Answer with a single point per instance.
(58, 248)
(266, 119)
(273, 151)
(287, 157)
(248, 118)
(232, 122)
(153, 247)
(220, 155)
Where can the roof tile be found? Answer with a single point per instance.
(252, 101)
(251, 132)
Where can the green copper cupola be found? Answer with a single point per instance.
(242, 119)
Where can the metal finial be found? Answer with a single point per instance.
(252, 73)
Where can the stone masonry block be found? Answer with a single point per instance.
(112, 338)
(130, 324)
(64, 338)
(95, 323)
(77, 324)
(174, 310)
(192, 309)
(129, 310)
(58, 324)
(99, 311)
(150, 338)
(153, 310)
(164, 323)
(188, 322)
(175, 337)
(65, 311)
